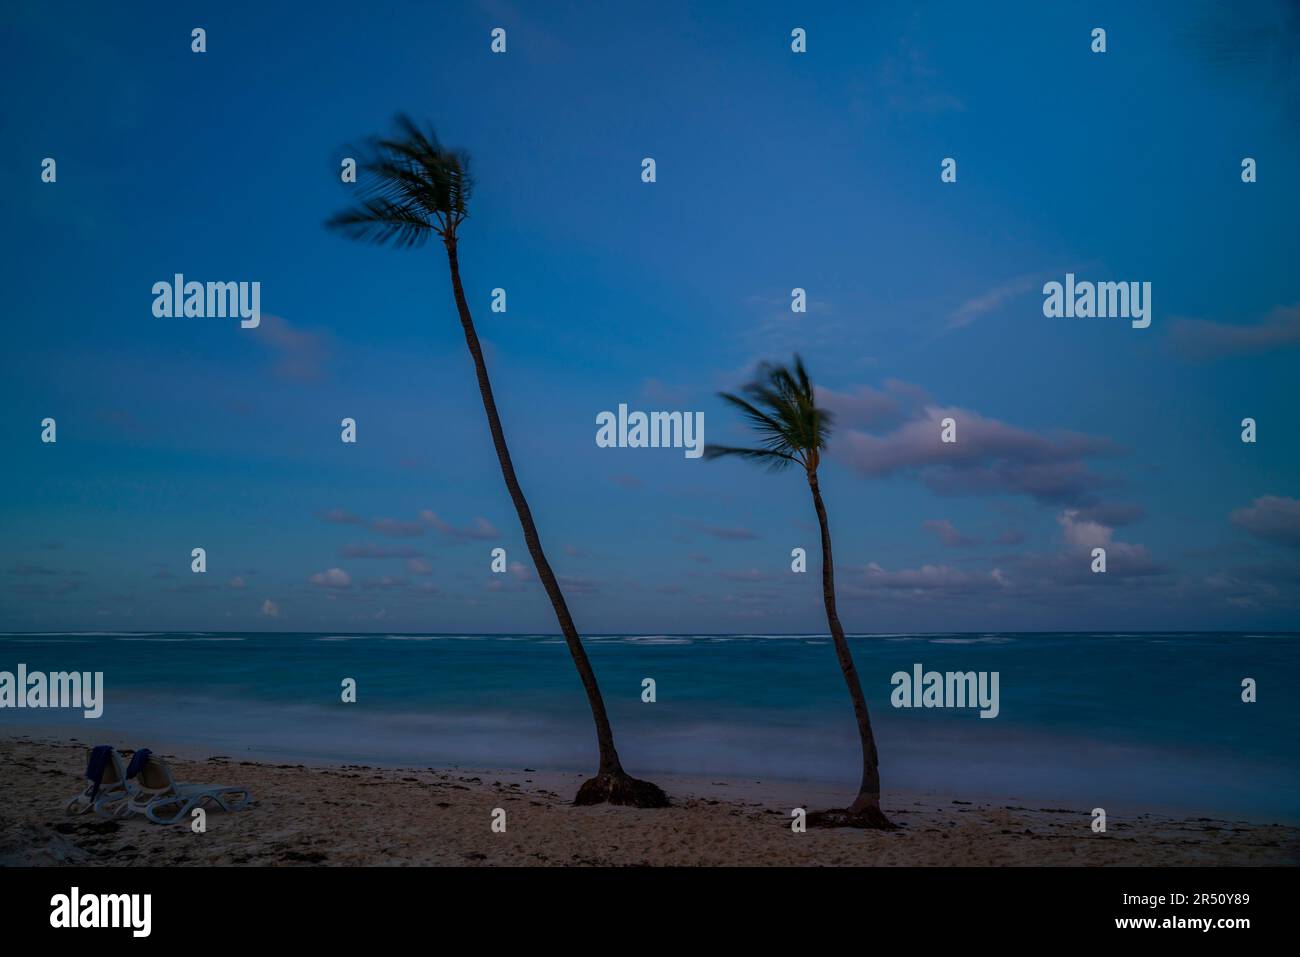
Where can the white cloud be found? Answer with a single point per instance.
(332, 578)
(989, 300)
(947, 532)
(1082, 533)
(1203, 339)
(480, 530)
(1271, 517)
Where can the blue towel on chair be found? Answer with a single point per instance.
(137, 762)
(96, 764)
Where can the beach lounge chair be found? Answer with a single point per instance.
(155, 793)
(135, 797)
(105, 777)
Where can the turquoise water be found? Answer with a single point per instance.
(1145, 721)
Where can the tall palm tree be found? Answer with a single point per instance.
(781, 407)
(412, 189)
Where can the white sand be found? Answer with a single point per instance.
(353, 815)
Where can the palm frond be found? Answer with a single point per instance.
(772, 430)
(773, 459)
(410, 187)
(380, 221)
(805, 384)
(780, 406)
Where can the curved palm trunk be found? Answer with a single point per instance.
(866, 807)
(611, 783)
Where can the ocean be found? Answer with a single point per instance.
(1151, 721)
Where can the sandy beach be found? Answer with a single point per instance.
(350, 815)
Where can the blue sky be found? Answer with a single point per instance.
(774, 170)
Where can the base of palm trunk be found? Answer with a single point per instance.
(871, 818)
(620, 788)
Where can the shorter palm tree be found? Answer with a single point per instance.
(781, 407)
